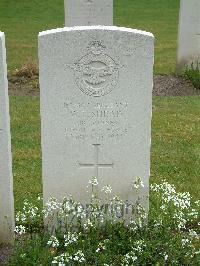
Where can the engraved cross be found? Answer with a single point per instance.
(96, 165)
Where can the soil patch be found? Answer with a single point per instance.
(173, 85)
(164, 85)
(23, 86)
(5, 253)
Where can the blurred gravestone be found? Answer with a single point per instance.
(88, 12)
(96, 103)
(6, 182)
(189, 33)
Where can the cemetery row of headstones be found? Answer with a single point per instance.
(95, 12)
(96, 94)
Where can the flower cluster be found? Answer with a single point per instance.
(66, 258)
(29, 212)
(20, 230)
(136, 251)
(175, 207)
(53, 242)
(129, 234)
(107, 189)
(51, 207)
(71, 238)
(93, 181)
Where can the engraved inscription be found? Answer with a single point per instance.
(96, 73)
(96, 165)
(96, 121)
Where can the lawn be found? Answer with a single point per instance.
(174, 155)
(21, 20)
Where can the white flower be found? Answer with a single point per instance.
(139, 246)
(185, 241)
(60, 260)
(193, 233)
(129, 258)
(79, 256)
(158, 222)
(166, 257)
(107, 189)
(88, 224)
(51, 207)
(133, 225)
(97, 250)
(80, 211)
(29, 212)
(68, 206)
(20, 229)
(71, 238)
(53, 242)
(93, 181)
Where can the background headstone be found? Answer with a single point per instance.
(88, 12)
(96, 101)
(189, 33)
(6, 182)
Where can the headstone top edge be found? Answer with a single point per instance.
(98, 27)
(1, 34)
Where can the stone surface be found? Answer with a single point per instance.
(6, 182)
(189, 33)
(88, 12)
(96, 101)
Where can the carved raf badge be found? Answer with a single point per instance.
(96, 73)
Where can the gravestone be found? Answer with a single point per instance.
(88, 12)
(6, 183)
(189, 33)
(96, 103)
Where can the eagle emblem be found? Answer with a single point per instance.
(96, 73)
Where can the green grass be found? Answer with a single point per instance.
(175, 154)
(25, 130)
(21, 20)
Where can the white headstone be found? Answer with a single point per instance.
(88, 12)
(189, 33)
(6, 182)
(96, 102)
